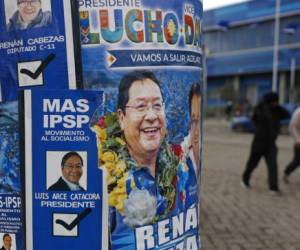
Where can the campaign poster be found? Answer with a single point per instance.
(65, 203)
(146, 56)
(37, 46)
(10, 185)
(37, 50)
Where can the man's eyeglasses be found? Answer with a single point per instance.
(33, 3)
(142, 108)
(73, 166)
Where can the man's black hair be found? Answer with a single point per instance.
(6, 235)
(69, 155)
(270, 97)
(128, 80)
(195, 90)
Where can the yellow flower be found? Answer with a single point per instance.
(109, 166)
(120, 141)
(99, 146)
(101, 133)
(100, 152)
(113, 200)
(120, 168)
(121, 165)
(117, 197)
(122, 181)
(109, 156)
(110, 179)
(119, 190)
(117, 172)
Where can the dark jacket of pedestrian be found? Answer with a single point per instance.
(266, 117)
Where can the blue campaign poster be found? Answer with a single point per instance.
(10, 184)
(37, 50)
(65, 199)
(165, 37)
(147, 58)
(36, 46)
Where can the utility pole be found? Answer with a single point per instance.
(275, 47)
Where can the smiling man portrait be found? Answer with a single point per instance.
(143, 170)
(142, 117)
(7, 242)
(29, 15)
(71, 168)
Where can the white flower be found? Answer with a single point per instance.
(140, 208)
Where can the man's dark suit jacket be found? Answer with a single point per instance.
(2, 248)
(61, 185)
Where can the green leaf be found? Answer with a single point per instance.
(111, 144)
(111, 119)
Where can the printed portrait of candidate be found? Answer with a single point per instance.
(29, 14)
(140, 166)
(72, 166)
(192, 142)
(7, 242)
(191, 148)
(142, 117)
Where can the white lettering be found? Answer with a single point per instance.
(82, 105)
(144, 238)
(191, 219)
(68, 106)
(180, 246)
(191, 243)
(56, 106)
(162, 231)
(53, 120)
(68, 121)
(178, 225)
(49, 106)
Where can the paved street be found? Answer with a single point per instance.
(234, 218)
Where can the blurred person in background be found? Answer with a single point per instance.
(294, 128)
(228, 110)
(266, 118)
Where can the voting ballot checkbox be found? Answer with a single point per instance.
(61, 223)
(29, 74)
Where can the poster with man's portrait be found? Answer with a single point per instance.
(27, 14)
(147, 58)
(66, 170)
(65, 198)
(8, 241)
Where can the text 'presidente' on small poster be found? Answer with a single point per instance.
(64, 199)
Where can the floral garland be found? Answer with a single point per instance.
(114, 157)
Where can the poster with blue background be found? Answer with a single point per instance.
(147, 58)
(11, 225)
(65, 202)
(36, 40)
(37, 50)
